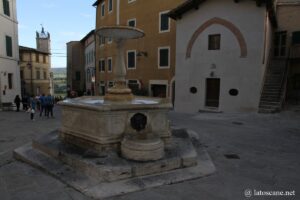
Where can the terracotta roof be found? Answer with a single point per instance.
(23, 48)
(188, 5)
(92, 32)
(97, 2)
(177, 12)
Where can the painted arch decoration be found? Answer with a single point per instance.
(216, 20)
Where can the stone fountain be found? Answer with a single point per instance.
(118, 143)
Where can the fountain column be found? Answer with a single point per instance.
(120, 91)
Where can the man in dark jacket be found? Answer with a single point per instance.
(17, 102)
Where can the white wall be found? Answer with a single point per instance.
(9, 27)
(244, 74)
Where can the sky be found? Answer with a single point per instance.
(65, 20)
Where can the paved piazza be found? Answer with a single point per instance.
(252, 153)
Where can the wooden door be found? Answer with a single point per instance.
(212, 92)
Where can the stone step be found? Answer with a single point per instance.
(97, 189)
(265, 110)
(272, 103)
(272, 86)
(270, 99)
(269, 107)
(271, 93)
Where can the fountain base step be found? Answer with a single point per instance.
(106, 174)
(147, 149)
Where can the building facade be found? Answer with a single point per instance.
(9, 52)
(75, 68)
(34, 71)
(35, 66)
(89, 62)
(288, 37)
(222, 54)
(150, 61)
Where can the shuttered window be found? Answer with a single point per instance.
(6, 7)
(8, 46)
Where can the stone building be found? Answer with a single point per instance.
(35, 65)
(150, 61)
(9, 53)
(75, 67)
(288, 41)
(89, 62)
(224, 57)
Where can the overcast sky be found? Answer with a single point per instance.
(65, 20)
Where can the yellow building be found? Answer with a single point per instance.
(150, 61)
(34, 71)
(35, 65)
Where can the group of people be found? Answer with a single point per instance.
(42, 104)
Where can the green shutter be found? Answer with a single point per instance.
(8, 46)
(6, 7)
(296, 37)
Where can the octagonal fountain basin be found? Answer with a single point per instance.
(92, 123)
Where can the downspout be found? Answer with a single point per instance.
(118, 13)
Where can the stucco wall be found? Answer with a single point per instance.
(235, 71)
(9, 65)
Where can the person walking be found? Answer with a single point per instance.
(42, 101)
(17, 102)
(25, 102)
(49, 104)
(32, 106)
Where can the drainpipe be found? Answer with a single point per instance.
(118, 12)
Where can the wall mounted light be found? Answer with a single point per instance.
(142, 53)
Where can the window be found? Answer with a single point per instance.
(102, 65)
(110, 84)
(45, 75)
(164, 22)
(44, 58)
(164, 57)
(9, 46)
(37, 58)
(133, 85)
(109, 64)
(10, 80)
(88, 75)
(296, 37)
(22, 74)
(280, 41)
(131, 22)
(102, 9)
(38, 74)
(102, 41)
(109, 40)
(131, 59)
(110, 6)
(77, 76)
(6, 9)
(214, 42)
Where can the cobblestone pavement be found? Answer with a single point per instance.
(250, 151)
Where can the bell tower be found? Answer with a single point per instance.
(43, 41)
